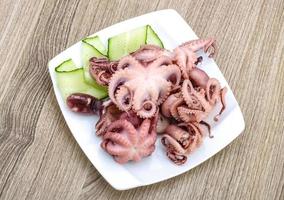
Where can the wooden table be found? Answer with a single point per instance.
(39, 158)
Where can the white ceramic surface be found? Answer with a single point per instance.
(173, 30)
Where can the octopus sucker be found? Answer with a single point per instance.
(156, 91)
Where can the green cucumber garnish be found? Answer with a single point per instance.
(153, 38)
(73, 82)
(67, 65)
(125, 43)
(97, 43)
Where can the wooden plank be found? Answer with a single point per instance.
(41, 160)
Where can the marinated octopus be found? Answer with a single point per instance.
(154, 91)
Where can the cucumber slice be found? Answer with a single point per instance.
(87, 52)
(125, 43)
(73, 82)
(153, 38)
(67, 65)
(97, 43)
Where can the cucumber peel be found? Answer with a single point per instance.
(125, 43)
(153, 38)
(96, 43)
(73, 82)
(67, 65)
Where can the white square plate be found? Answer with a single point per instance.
(173, 30)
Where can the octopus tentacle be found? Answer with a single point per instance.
(196, 136)
(208, 127)
(101, 69)
(194, 99)
(198, 77)
(143, 128)
(162, 124)
(110, 113)
(190, 115)
(147, 53)
(213, 90)
(116, 81)
(204, 44)
(172, 74)
(174, 109)
(117, 138)
(222, 94)
(181, 61)
(128, 62)
(102, 78)
(122, 159)
(113, 149)
(163, 94)
(179, 134)
(161, 61)
(172, 144)
(190, 59)
(144, 152)
(189, 95)
(147, 110)
(124, 98)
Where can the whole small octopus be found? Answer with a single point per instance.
(130, 138)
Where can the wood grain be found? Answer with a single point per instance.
(39, 159)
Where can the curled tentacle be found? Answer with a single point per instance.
(205, 44)
(148, 109)
(198, 77)
(101, 69)
(124, 98)
(223, 102)
(162, 124)
(213, 89)
(109, 114)
(161, 61)
(172, 74)
(163, 93)
(128, 62)
(180, 140)
(169, 107)
(178, 134)
(190, 95)
(147, 53)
